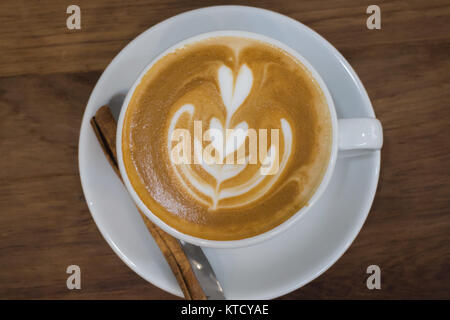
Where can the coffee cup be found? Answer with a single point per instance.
(346, 134)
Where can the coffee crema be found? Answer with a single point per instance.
(215, 85)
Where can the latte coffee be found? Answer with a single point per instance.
(226, 138)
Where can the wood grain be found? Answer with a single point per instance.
(47, 73)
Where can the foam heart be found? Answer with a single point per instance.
(234, 94)
(227, 141)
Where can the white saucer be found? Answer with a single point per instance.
(283, 263)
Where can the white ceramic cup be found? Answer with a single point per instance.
(348, 134)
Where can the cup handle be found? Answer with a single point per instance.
(360, 133)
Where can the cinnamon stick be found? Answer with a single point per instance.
(104, 127)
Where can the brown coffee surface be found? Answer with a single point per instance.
(227, 201)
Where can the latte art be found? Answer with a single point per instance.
(226, 138)
(225, 142)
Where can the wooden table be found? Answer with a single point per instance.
(47, 73)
